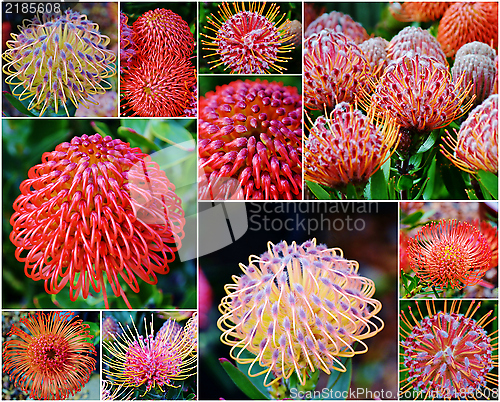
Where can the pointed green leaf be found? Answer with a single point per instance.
(241, 380)
(378, 186)
(429, 142)
(488, 181)
(429, 184)
(136, 138)
(319, 192)
(18, 105)
(412, 218)
(101, 127)
(339, 382)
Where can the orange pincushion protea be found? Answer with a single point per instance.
(53, 360)
(449, 253)
(338, 22)
(418, 11)
(466, 22)
(96, 211)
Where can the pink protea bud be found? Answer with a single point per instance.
(347, 147)
(476, 145)
(416, 40)
(338, 22)
(298, 308)
(418, 11)
(335, 70)
(449, 253)
(375, 51)
(250, 136)
(247, 40)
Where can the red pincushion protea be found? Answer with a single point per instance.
(466, 22)
(251, 131)
(158, 86)
(335, 70)
(418, 11)
(449, 253)
(96, 211)
(162, 31)
(53, 358)
(490, 233)
(338, 22)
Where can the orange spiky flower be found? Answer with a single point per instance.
(409, 11)
(298, 309)
(53, 359)
(476, 145)
(247, 41)
(448, 354)
(449, 253)
(338, 22)
(490, 233)
(465, 22)
(347, 146)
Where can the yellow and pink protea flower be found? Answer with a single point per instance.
(348, 147)
(298, 308)
(338, 22)
(152, 361)
(96, 212)
(57, 60)
(476, 145)
(249, 40)
(52, 358)
(449, 253)
(419, 11)
(447, 354)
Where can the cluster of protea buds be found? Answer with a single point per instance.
(297, 309)
(338, 22)
(249, 41)
(58, 60)
(251, 142)
(158, 79)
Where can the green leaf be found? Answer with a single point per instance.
(453, 181)
(412, 218)
(102, 128)
(415, 161)
(319, 192)
(351, 192)
(488, 181)
(429, 142)
(471, 194)
(134, 137)
(405, 182)
(378, 186)
(429, 185)
(257, 381)
(18, 105)
(339, 382)
(241, 380)
(170, 132)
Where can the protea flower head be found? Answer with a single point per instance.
(409, 11)
(128, 48)
(335, 70)
(251, 131)
(476, 145)
(157, 361)
(476, 61)
(449, 253)
(419, 93)
(52, 358)
(158, 86)
(247, 40)
(447, 354)
(162, 31)
(375, 51)
(416, 40)
(338, 22)
(298, 308)
(490, 233)
(58, 59)
(347, 147)
(96, 211)
(465, 22)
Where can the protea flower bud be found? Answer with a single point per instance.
(338, 22)
(298, 309)
(347, 147)
(251, 131)
(335, 70)
(96, 211)
(375, 51)
(248, 41)
(476, 145)
(409, 11)
(59, 59)
(449, 253)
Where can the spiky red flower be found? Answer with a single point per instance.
(449, 253)
(53, 359)
(490, 233)
(338, 22)
(250, 131)
(466, 22)
(375, 51)
(96, 211)
(476, 145)
(335, 70)
(162, 31)
(249, 41)
(418, 11)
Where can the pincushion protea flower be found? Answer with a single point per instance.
(375, 51)
(52, 359)
(447, 354)
(298, 308)
(58, 59)
(96, 211)
(490, 233)
(418, 11)
(476, 145)
(251, 131)
(338, 22)
(247, 40)
(152, 361)
(335, 70)
(465, 22)
(347, 147)
(449, 253)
